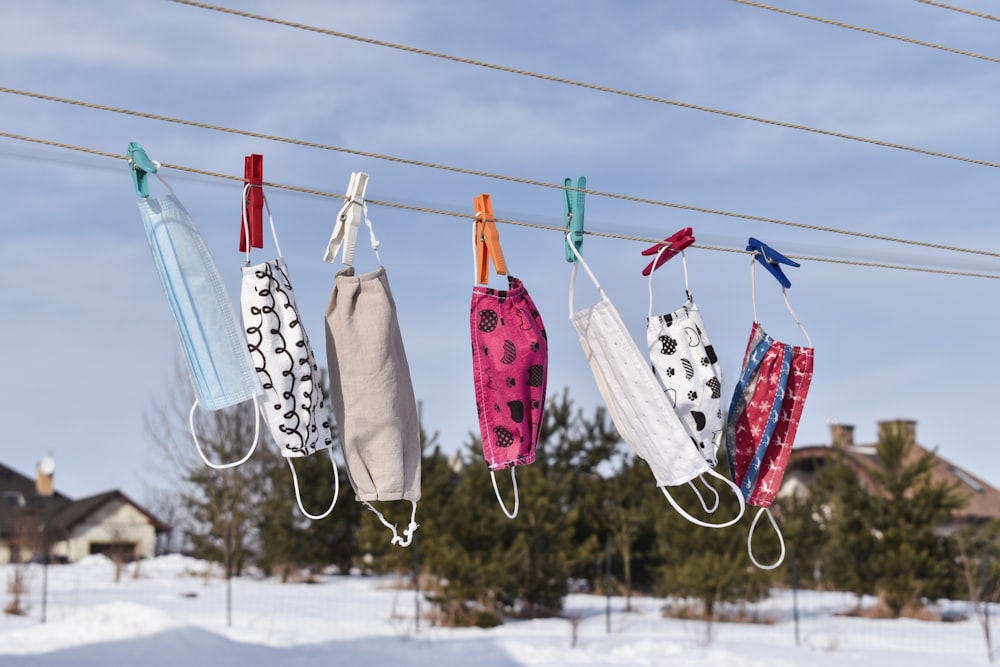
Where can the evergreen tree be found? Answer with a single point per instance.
(880, 535)
(291, 541)
(804, 521)
(911, 560)
(851, 535)
(487, 566)
(629, 515)
(710, 565)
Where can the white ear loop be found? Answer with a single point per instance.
(496, 490)
(572, 277)
(698, 522)
(702, 499)
(687, 288)
(246, 223)
(224, 466)
(371, 233)
(408, 532)
(784, 294)
(781, 539)
(336, 488)
(163, 180)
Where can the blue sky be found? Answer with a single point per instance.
(89, 346)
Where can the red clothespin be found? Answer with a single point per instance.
(487, 241)
(676, 242)
(253, 202)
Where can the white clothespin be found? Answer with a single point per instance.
(345, 233)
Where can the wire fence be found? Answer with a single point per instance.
(257, 609)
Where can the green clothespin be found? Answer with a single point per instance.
(573, 206)
(141, 166)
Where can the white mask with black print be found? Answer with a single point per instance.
(639, 408)
(293, 404)
(688, 369)
(689, 372)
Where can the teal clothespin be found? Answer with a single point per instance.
(573, 206)
(141, 166)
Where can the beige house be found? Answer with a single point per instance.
(805, 462)
(108, 523)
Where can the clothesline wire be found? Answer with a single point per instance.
(870, 31)
(483, 174)
(507, 221)
(583, 84)
(960, 9)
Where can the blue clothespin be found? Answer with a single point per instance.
(573, 207)
(141, 166)
(771, 258)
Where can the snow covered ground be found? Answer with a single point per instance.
(174, 613)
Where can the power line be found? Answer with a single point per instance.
(869, 31)
(483, 174)
(961, 9)
(582, 84)
(466, 215)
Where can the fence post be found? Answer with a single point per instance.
(229, 572)
(795, 591)
(416, 581)
(607, 583)
(985, 596)
(45, 569)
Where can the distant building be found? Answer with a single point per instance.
(108, 523)
(805, 462)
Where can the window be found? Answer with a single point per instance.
(967, 478)
(13, 499)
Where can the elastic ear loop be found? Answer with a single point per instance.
(784, 294)
(371, 232)
(224, 466)
(162, 180)
(699, 522)
(496, 490)
(246, 223)
(336, 488)
(687, 289)
(700, 498)
(781, 540)
(408, 533)
(572, 278)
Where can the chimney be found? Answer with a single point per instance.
(841, 435)
(45, 469)
(907, 428)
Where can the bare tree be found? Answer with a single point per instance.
(25, 540)
(217, 509)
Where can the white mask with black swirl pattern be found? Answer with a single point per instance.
(293, 404)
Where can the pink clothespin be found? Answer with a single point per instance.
(253, 173)
(675, 242)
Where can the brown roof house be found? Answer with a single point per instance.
(805, 462)
(108, 523)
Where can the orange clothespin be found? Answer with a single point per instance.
(487, 241)
(253, 202)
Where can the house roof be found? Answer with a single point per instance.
(77, 511)
(62, 511)
(15, 489)
(983, 499)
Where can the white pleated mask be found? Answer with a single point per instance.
(639, 407)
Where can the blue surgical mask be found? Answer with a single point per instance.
(214, 346)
